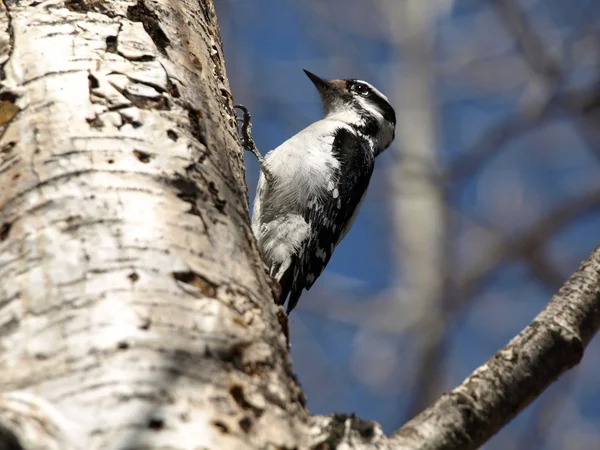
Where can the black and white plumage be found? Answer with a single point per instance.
(316, 183)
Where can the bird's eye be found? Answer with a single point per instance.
(361, 89)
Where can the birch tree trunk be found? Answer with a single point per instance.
(135, 312)
(134, 309)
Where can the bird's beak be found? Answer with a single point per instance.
(325, 87)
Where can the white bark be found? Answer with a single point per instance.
(132, 302)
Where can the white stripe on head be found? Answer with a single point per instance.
(372, 109)
(375, 90)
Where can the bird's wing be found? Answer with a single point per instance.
(331, 216)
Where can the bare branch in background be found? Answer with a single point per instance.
(497, 391)
(528, 244)
(493, 140)
(530, 43)
(418, 220)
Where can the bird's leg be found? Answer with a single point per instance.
(248, 142)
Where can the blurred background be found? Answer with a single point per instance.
(486, 202)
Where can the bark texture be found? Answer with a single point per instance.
(134, 309)
(497, 391)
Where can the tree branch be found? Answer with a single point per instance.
(547, 68)
(497, 391)
(529, 243)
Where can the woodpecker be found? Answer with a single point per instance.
(311, 186)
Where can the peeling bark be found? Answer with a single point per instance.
(133, 303)
(134, 309)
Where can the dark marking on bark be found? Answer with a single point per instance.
(141, 13)
(129, 120)
(111, 44)
(143, 157)
(111, 161)
(95, 122)
(145, 325)
(5, 231)
(365, 428)
(237, 393)
(195, 115)
(59, 33)
(155, 86)
(188, 191)
(214, 55)
(217, 201)
(159, 103)
(8, 439)
(93, 82)
(571, 347)
(11, 36)
(335, 433)
(204, 6)
(123, 345)
(133, 277)
(337, 430)
(142, 58)
(245, 424)
(206, 287)
(172, 88)
(156, 423)
(221, 426)
(73, 225)
(8, 96)
(77, 6)
(9, 327)
(226, 94)
(172, 135)
(8, 147)
(84, 6)
(230, 353)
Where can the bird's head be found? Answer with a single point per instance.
(360, 105)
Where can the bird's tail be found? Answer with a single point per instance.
(286, 283)
(293, 301)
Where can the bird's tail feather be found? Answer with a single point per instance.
(288, 283)
(285, 282)
(293, 301)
